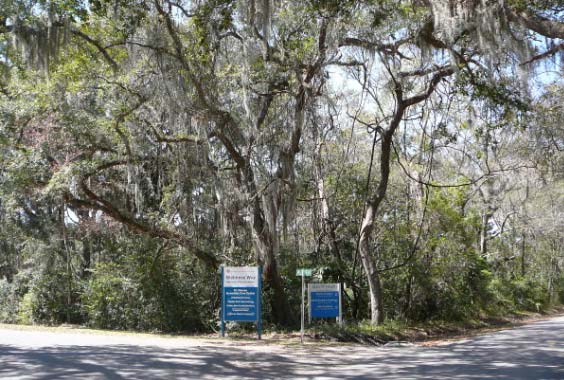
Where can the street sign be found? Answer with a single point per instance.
(241, 296)
(303, 273)
(306, 272)
(324, 300)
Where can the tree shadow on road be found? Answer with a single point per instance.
(536, 352)
(136, 362)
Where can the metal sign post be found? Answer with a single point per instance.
(222, 305)
(303, 272)
(302, 330)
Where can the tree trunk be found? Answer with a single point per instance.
(523, 251)
(372, 205)
(372, 275)
(265, 241)
(484, 234)
(86, 258)
(281, 311)
(328, 225)
(266, 256)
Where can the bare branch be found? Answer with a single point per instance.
(439, 75)
(546, 54)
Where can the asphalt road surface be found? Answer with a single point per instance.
(534, 351)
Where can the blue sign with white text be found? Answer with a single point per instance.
(241, 289)
(241, 304)
(324, 304)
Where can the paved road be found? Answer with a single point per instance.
(534, 351)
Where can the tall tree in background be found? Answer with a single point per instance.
(214, 80)
(200, 125)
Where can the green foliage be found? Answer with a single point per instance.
(48, 299)
(529, 294)
(560, 290)
(127, 16)
(9, 301)
(519, 294)
(332, 6)
(151, 131)
(479, 86)
(446, 279)
(149, 294)
(107, 297)
(25, 313)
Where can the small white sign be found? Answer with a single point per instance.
(240, 277)
(315, 287)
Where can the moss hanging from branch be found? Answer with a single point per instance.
(39, 43)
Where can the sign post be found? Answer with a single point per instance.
(303, 272)
(325, 301)
(241, 296)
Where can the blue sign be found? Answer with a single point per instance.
(325, 300)
(241, 304)
(241, 296)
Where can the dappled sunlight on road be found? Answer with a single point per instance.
(530, 352)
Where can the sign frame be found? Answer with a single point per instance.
(328, 299)
(241, 296)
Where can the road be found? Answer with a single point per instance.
(534, 351)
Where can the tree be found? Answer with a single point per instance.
(229, 132)
(197, 42)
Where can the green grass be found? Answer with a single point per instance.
(366, 333)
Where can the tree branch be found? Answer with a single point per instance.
(98, 46)
(96, 202)
(546, 54)
(442, 73)
(536, 23)
(386, 48)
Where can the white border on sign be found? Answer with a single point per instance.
(240, 277)
(316, 287)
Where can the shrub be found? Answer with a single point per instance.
(8, 302)
(50, 299)
(25, 312)
(11, 295)
(145, 295)
(529, 294)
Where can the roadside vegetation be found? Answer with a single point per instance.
(427, 333)
(410, 150)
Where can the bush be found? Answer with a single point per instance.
(50, 299)
(529, 295)
(11, 295)
(519, 294)
(25, 312)
(500, 300)
(560, 290)
(145, 295)
(110, 298)
(8, 302)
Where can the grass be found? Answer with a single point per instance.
(330, 334)
(398, 331)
